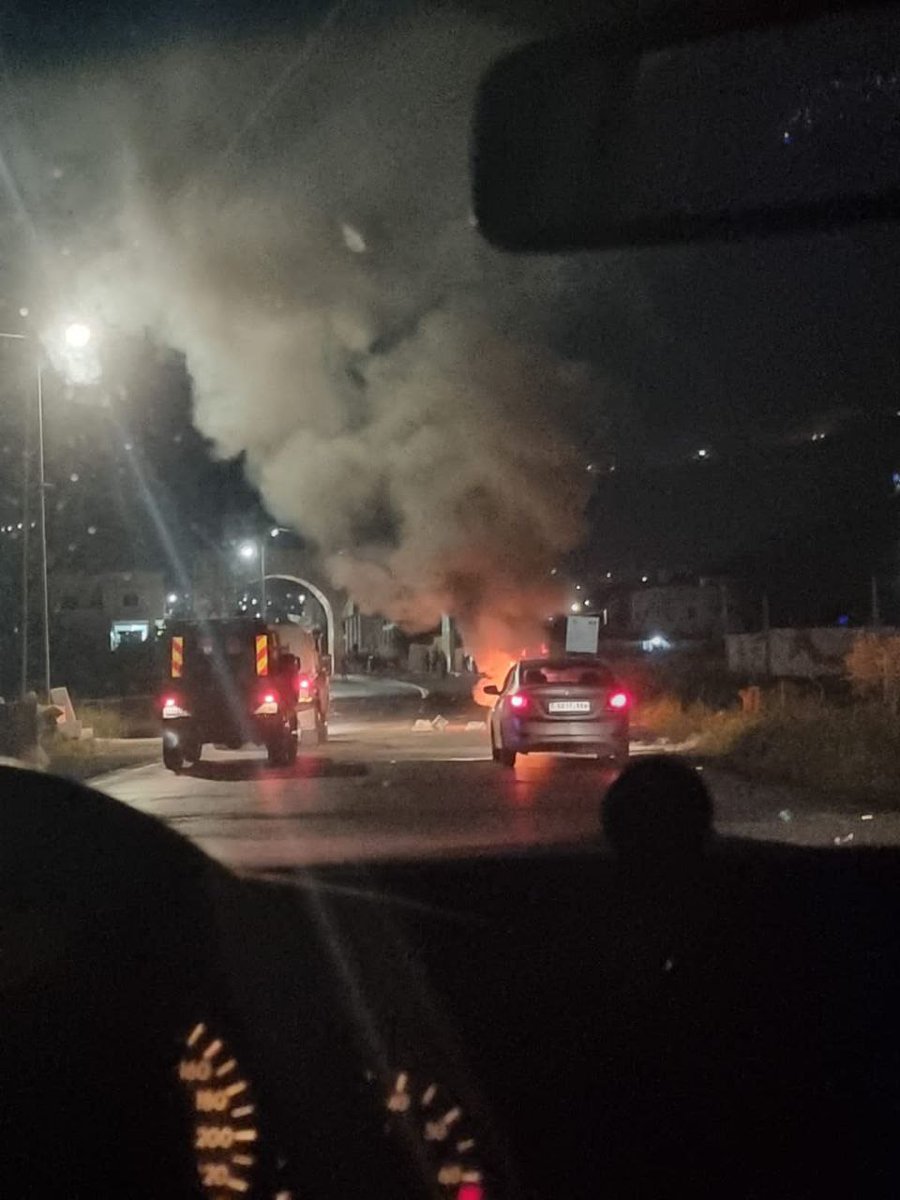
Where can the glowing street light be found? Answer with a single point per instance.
(247, 551)
(77, 335)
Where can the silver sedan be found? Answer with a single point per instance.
(561, 705)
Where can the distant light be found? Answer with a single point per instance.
(575, 607)
(172, 598)
(353, 239)
(247, 550)
(553, 570)
(590, 467)
(587, 604)
(92, 529)
(23, 311)
(77, 335)
(702, 453)
(577, 587)
(74, 477)
(644, 579)
(843, 619)
(609, 574)
(658, 642)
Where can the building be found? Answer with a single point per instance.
(117, 607)
(366, 635)
(679, 611)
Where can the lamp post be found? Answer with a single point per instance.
(248, 551)
(77, 335)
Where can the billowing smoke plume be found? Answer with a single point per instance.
(297, 221)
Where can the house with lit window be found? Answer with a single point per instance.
(119, 607)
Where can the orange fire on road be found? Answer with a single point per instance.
(494, 666)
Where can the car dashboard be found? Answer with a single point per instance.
(533, 1025)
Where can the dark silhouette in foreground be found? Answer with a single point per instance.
(658, 808)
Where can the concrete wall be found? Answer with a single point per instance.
(793, 653)
(676, 610)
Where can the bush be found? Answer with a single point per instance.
(105, 721)
(853, 750)
(715, 730)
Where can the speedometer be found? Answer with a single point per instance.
(223, 1112)
(424, 1109)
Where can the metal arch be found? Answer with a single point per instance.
(322, 599)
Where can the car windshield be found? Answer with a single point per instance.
(258, 364)
(571, 674)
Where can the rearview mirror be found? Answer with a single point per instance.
(491, 690)
(671, 134)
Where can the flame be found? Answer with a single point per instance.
(494, 664)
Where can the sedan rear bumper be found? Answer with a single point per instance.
(596, 737)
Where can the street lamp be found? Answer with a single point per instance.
(76, 336)
(257, 546)
(248, 551)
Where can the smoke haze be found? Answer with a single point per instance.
(296, 220)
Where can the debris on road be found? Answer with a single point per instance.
(422, 726)
(440, 723)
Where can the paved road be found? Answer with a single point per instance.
(382, 789)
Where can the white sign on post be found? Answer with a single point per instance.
(582, 635)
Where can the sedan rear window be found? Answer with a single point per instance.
(570, 674)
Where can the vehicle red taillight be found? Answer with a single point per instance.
(470, 1191)
(304, 683)
(170, 702)
(269, 698)
(618, 700)
(519, 701)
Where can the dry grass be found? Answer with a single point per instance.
(853, 749)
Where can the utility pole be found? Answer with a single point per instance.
(262, 580)
(42, 511)
(26, 521)
(767, 634)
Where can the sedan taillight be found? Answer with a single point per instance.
(618, 701)
(518, 701)
(172, 707)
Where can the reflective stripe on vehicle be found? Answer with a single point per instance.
(262, 654)
(177, 659)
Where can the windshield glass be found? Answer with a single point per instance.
(259, 365)
(588, 675)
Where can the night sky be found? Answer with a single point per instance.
(744, 351)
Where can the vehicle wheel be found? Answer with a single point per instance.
(173, 758)
(192, 752)
(282, 750)
(321, 729)
(506, 758)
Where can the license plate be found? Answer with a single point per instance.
(569, 706)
